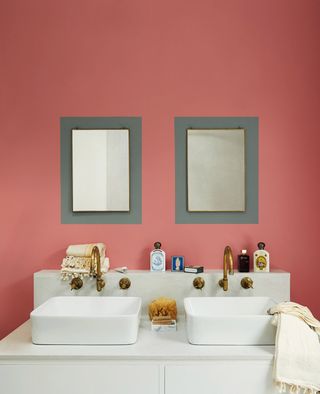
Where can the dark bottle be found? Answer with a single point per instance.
(243, 261)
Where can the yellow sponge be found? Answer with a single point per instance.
(163, 307)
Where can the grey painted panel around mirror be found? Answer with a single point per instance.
(250, 124)
(66, 126)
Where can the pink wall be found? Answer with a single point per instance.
(158, 59)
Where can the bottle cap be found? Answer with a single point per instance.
(244, 251)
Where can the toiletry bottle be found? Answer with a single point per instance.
(261, 261)
(243, 261)
(157, 258)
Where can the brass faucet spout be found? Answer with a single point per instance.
(96, 266)
(227, 258)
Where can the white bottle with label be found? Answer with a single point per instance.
(157, 258)
(261, 259)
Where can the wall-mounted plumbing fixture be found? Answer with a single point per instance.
(76, 283)
(95, 272)
(227, 257)
(124, 283)
(198, 283)
(95, 268)
(246, 283)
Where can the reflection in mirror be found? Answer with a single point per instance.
(100, 170)
(216, 170)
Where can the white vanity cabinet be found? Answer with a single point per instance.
(158, 363)
(65, 377)
(219, 377)
(84, 378)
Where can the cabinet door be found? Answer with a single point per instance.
(80, 379)
(220, 377)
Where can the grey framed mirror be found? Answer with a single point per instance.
(100, 170)
(235, 160)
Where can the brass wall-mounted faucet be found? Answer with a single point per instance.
(227, 257)
(95, 268)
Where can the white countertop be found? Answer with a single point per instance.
(17, 347)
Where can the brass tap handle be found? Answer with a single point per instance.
(124, 283)
(198, 283)
(76, 283)
(247, 283)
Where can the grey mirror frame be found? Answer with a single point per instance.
(251, 214)
(134, 216)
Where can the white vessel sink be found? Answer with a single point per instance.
(229, 320)
(86, 321)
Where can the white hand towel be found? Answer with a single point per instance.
(85, 250)
(297, 353)
(292, 308)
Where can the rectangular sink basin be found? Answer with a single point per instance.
(229, 320)
(86, 321)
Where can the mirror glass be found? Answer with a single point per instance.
(216, 170)
(100, 170)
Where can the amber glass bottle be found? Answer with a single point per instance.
(243, 261)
